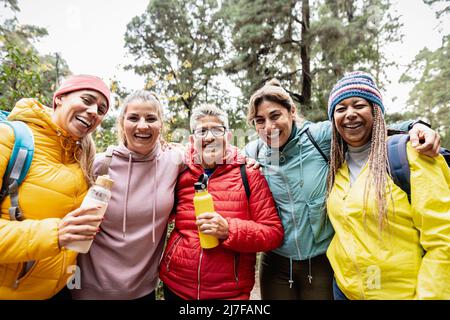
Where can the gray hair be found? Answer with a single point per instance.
(138, 95)
(208, 110)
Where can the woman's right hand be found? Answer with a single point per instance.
(78, 226)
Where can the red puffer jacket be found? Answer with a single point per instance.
(228, 270)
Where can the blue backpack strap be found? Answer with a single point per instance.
(18, 166)
(398, 162)
(3, 115)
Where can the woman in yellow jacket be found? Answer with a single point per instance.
(33, 261)
(384, 247)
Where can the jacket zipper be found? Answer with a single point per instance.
(198, 274)
(292, 214)
(361, 290)
(25, 275)
(236, 265)
(170, 252)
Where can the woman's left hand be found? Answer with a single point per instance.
(425, 140)
(213, 224)
(252, 163)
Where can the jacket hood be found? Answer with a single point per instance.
(33, 113)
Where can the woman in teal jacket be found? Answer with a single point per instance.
(294, 155)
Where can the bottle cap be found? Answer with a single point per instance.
(202, 183)
(198, 186)
(104, 181)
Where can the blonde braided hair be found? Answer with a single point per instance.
(377, 162)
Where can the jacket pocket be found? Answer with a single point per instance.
(26, 275)
(318, 219)
(171, 251)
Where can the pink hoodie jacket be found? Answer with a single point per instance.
(123, 260)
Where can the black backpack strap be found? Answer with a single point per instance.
(310, 136)
(104, 168)
(398, 162)
(446, 154)
(245, 181)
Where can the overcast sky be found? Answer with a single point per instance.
(89, 36)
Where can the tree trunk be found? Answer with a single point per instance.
(304, 54)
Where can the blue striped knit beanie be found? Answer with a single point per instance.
(355, 84)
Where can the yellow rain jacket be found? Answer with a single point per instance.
(53, 187)
(410, 259)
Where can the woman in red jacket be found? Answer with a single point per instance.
(243, 225)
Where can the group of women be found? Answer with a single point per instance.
(322, 206)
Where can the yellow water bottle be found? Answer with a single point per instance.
(203, 202)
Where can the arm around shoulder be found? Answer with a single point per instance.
(263, 231)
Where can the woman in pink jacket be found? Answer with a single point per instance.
(123, 259)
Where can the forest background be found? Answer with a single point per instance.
(207, 51)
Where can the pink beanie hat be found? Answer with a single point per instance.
(80, 82)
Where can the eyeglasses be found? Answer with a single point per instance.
(215, 131)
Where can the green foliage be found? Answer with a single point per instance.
(397, 117)
(23, 72)
(12, 4)
(445, 9)
(342, 36)
(265, 36)
(19, 77)
(430, 96)
(178, 46)
(106, 134)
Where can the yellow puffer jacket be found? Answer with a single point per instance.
(53, 187)
(411, 258)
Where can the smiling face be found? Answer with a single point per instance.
(80, 112)
(210, 140)
(141, 126)
(353, 118)
(273, 122)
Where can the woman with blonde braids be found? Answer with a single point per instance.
(384, 246)
(34, 263)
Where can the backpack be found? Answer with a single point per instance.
(398, 161)
(18, 165)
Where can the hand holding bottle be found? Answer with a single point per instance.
(213, 224)
(96, 202)
(78, 225)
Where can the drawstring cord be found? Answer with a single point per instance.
(290, 274)
(125, 203)
(154, 199)
(309, 272)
